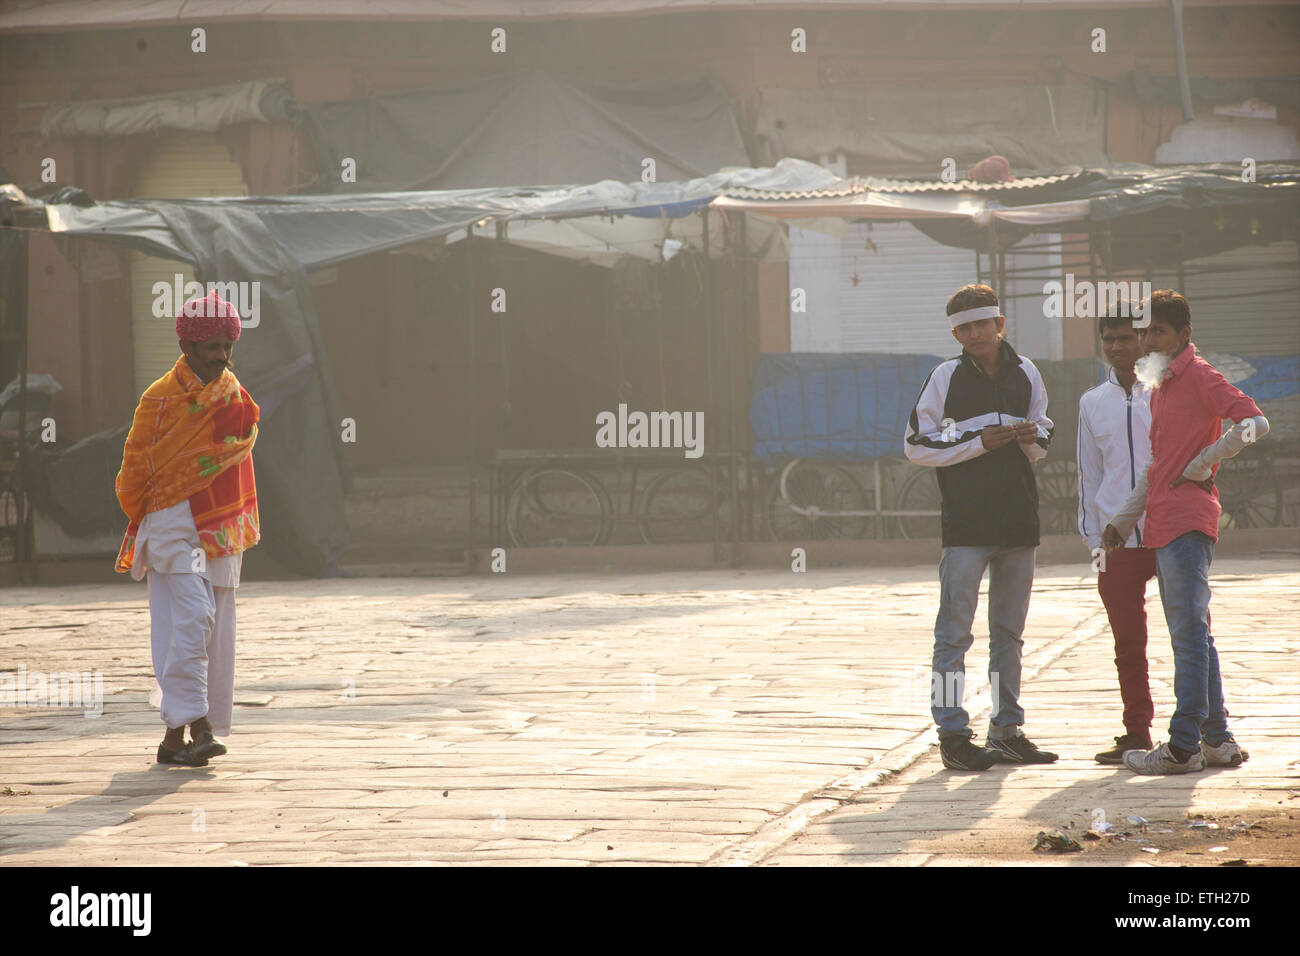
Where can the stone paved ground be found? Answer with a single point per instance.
(673, 718)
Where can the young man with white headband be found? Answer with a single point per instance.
(981, 420)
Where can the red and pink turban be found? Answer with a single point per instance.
(206, 318)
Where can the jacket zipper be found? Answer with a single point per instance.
(1132, 468)
(997, 392)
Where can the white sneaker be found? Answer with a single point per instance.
(1162, 760)
(1227, 754)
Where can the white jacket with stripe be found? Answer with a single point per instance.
(1114, 448)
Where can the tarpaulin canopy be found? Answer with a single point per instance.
(532, 127)
(320, 231)
(606, 242)
(1177, 202)
(1131, 188)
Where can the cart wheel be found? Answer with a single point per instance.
(678, 506)
(827, 488)
(1249, 493)
(920, 492)
(556, 507)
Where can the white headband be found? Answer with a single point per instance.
(974, 315)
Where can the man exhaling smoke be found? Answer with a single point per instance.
(1151, 368)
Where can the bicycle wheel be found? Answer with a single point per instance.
(1249, 493)
(555, 507)
(814, 492)
(920, 492)
(678, 506)
(1058, 497)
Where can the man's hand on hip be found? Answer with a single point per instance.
(1206, 486)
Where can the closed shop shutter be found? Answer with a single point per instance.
(884, 287)
(814, 276)
(903, 282)
(1245, 301)
(1028, 264)
(179, 167)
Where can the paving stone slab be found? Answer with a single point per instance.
(678, 717)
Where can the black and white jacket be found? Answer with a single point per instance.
(990, 498)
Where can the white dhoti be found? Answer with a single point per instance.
(191, 619)
(192, 630)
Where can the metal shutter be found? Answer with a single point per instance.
(180, 167)
(815, 270)
(1028, 264)
(904, 280)
(1244, 301)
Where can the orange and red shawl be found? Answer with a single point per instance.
(192, 441)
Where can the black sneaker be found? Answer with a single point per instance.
(1122, 744)
(958, 753)
(1019, 750)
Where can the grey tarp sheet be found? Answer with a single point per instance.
(1033, 126)
(300, 472)
(203, 110)
(319, 231)
(533, 127)
(1130, 194)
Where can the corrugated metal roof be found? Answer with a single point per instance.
(883, 185)
(845, 187)
(864, 184)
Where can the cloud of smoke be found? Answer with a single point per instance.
(1151, 368)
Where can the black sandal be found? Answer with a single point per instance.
(207, 746)
(185, 757)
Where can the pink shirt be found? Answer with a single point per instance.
(1187, 413)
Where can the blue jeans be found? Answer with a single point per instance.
(1183, 570)
(1011, 578)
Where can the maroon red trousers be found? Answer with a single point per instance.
(1123, 589)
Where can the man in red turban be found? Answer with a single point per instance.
(188, 490)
